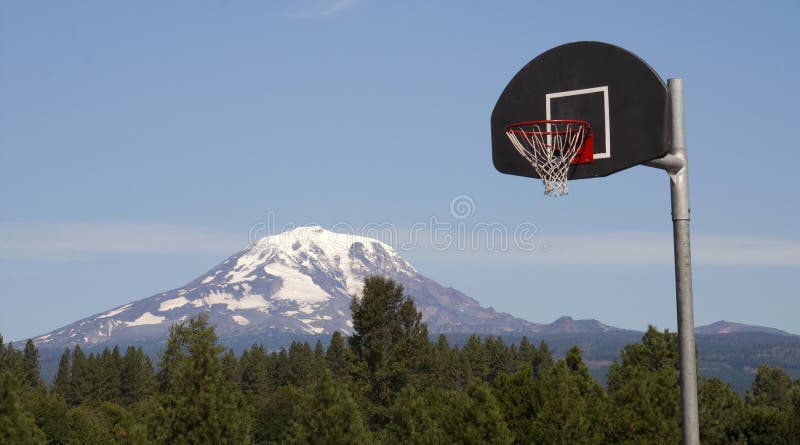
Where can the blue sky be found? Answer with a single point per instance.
(142, 143)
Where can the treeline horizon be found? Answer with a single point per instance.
(388, 383)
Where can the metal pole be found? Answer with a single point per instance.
(683, 269)
(676, 165)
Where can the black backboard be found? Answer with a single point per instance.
(619, 94)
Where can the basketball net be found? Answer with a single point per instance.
(552, 147)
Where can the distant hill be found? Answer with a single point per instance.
(568, 325)
(726, 327)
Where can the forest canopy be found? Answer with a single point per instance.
(386, 383)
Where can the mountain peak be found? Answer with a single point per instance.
(298, 281)
(314, 239)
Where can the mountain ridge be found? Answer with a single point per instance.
(723, 327)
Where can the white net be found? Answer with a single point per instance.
(550, 147)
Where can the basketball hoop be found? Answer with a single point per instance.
(551, 147)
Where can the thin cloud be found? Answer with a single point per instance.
(323, 9)
(651, 248)
(623, 248)
(68, 241)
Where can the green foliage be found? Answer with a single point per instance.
(570, 407)
(771, 387)
(386, 384)
(16, 425)
(254, 368)
(275, 412)
(501, 358)
(230, 368)
(50, 412)
(30, 367)
(644, 391)
(340, 359)
(448, 370)
(474, 416)
(88, 425)
(80, 379)
(198, 405)
(390, 340)
(476, 359)
(516, 396)
(137, 380)
(328, 415)
(303, 366)
(722, 413)
(61, 382)
(415, 419)
(773, 408)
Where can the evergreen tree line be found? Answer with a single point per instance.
(385, 384)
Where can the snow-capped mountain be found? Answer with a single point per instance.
(296, 282)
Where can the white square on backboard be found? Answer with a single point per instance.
(604, 89)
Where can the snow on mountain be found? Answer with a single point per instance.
(296, 282)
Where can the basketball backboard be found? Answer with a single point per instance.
(619, 94)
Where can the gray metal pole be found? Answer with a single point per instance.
(676, 165)
(683, 269)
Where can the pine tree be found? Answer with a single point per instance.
(199, 405)
(80, 378)
(302, 364)
(771, 409)
(3, 362)
(16, 426)
(447, 369)
(88, 426)
(570, 405)
(474, 417)
(525, 354)
(51, 414)
(414, 420)
(12, 361)
(275, 412)
(516, 396)
(254, 365)
(389, 338)
(30, 367)
(772, 386)
(97, 379)
(499, 356)
(339, 358)
(137, 380)
(329, 416)
(319, 353)
(105, 377)
(230, 368)
(61, 382)
(542, 359)
(722, 413)
(112, 364)
(644, 392)
(477, 359)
